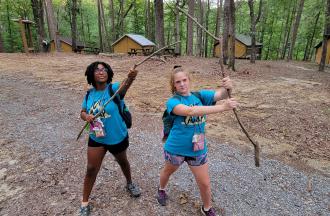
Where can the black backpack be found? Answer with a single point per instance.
(168, 118)
(123, 110)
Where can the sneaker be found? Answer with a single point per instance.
(133, 189)
(210, 212)
(162, 197)
(85, 210)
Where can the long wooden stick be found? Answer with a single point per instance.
(254, 143)
(121, 87)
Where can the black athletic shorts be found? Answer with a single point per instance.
(113, 149)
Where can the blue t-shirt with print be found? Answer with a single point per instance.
(114, 126)
(179, 141)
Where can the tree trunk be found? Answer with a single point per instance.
(286, 43)
(326, 36)
(11, 40)
(270, 37)
(112, 21)
(38, 15)
(100, 26)
(88, 28)
(199, 30)
(190, 28)
(295, 29)
(231, 63)
(159, 25)
(104, 33)
(253, 29)
(226, 14)
(177, 27)
(52, 25)
(218, 22)
(82, 24)
(262, 33)
(1, 41)
(74, 25)
(206, 42)
(310, 44)
(148, 21)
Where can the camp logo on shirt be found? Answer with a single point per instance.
(194, 120)
(96, 108)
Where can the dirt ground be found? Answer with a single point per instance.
(285, 106)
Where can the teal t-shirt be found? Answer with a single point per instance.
(179, 141)
(115, 127)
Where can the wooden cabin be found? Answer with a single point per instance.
(242, 47)
(66, 45)
(318, 52)
(133, 44)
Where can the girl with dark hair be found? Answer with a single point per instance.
(186, 141)
(108, 132)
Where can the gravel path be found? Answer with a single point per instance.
(42, 166)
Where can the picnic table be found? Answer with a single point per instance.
(136, 51)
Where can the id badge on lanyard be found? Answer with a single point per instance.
(198, 140)
(97, 127)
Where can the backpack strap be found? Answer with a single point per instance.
(87, 94)
(116, 99)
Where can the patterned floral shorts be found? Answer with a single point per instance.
(177, 160)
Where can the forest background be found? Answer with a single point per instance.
(98, 23)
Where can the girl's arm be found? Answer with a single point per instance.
(221, 93)
(86, 117)
(183, 110)
(128, 82)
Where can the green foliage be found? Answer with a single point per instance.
(271, 29)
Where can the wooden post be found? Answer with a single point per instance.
(31, 46)
(22, 28)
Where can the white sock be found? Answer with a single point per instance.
(206, 209)
(84, 204)
(163, 189)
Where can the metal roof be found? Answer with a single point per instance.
(68, 41)
(245, 39)
(141, 40)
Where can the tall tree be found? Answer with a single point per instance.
(74, 25)
(177, 27)
(219, 15)
(253, 28)
(38, 14)
(112, 21)
(295, 29)
(290, 18)
(326, 36)
(311, 38)
(226, 23)
(121, 17)
(199, 30)
(206, 36)
(190, 29)
(159, 25)
(52, 25)
(11, 39)
(231, 63)
(148, 20)
(1, 41)
(103, 33)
